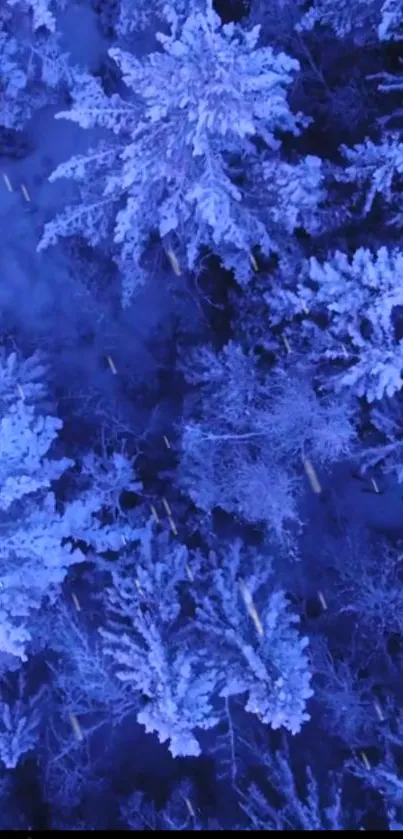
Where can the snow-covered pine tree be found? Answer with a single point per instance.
(151, 651)
(251, 639)
(361, 297)
(183, 161)
(39, 535)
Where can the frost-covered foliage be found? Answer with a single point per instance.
(278, 18)
(82, 680)
(250, 402)
(243, 448)
(42, 14)
(370, 586)
(135, 17)
(20, 721)
(184, 669)
(23, 377)
(361, 297)
(32, 530)
(37, 545)
(109, 477)
(295, 193)
(390, 27)
(25, 442)
(383, 776)
(319, 807)
(144, 640)
(345, 18)
(95, 516)
(388, 420)
(180, 812)
(254, 639)
(344, 699)
(376, 169)
(182, 139)
(35, 72)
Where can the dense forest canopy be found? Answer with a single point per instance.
(201, 426)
